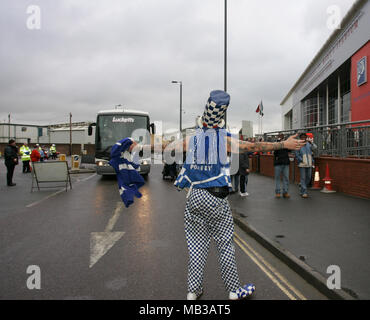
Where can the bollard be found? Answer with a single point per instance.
(328, 188)
(316, 185)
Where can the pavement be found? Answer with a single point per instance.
(323, 230)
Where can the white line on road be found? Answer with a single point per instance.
(55, 193)
(101, 242)
(113, 220)
(269, 270)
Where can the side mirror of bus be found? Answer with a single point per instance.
(152, 127)
(90, 129)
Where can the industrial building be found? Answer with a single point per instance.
(65, 137)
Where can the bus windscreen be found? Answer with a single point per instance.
(113, 128)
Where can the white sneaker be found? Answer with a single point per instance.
(242, 292)
(193, 296)
(245, 194)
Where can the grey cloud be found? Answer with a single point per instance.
(91, 55)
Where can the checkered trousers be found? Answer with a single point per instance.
(206, 217)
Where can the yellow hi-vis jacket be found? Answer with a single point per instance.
(25, 153)
(53, 149)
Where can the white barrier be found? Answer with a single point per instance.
(50, 172)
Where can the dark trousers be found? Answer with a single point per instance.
(26, 166)
(243, 183)
(9, 175)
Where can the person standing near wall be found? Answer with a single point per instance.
(53, 151)
(305, 163)
(281, 168)
(244, 173)
(11, 160)
(25, 152)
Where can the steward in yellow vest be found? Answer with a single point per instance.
(25, 152)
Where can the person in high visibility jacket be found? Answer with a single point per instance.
(53, 151)
(25, 152)
(41, 152)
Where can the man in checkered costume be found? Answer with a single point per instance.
(207, 213)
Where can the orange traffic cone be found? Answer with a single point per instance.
(328, 188)
(316, 185)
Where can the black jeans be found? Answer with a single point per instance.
(9, 175)
(243, 183)
(26, 166)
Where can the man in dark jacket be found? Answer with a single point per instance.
(281, 166)
(11, 160)
(244, 172)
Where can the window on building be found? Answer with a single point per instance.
(333, 99)
(322, 104)
(310, 110)
(288, 123)
(345, 91)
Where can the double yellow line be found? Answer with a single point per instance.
(281, 282)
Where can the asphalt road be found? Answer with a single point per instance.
(87, 246)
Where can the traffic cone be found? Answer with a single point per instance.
(316, 185)
(328, 188)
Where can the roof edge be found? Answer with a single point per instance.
(350, 14)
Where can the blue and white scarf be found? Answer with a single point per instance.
(129, 179)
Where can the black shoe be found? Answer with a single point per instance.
(12, 185)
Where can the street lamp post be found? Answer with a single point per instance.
(180, 82)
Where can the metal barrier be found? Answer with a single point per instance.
(351, 139)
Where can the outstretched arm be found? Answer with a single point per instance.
(291, 143)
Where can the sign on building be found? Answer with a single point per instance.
(362, 71)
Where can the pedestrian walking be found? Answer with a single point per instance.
(305, 163)
(11, 160)
(244, 173)
(281, 170)
(207, 212)
(25, 152)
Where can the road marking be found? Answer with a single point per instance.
(269, 270)
(56, 193)
(112, 221)
(43, 199)
(102, 242)
(273, 270)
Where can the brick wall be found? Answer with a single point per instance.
(350, 175)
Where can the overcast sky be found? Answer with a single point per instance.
(91, 55)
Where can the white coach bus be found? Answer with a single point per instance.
(115, 125)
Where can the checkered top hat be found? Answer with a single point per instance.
(216, 107)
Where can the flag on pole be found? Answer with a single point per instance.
(260, 109)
